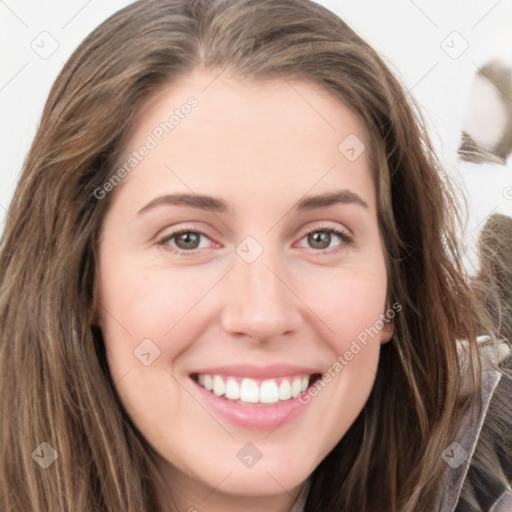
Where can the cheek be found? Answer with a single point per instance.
(146, 313)
(139, 304)
(348, 301)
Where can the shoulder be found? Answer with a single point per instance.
(485, 486)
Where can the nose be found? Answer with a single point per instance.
(260, 302)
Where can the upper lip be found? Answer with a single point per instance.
(258, 372)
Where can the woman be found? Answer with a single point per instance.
(260, 371)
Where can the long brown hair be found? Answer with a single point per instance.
(55, 386)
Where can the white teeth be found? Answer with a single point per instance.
(296, 387)
(249, 391)
(268, 391)
(285, 390)
(218, 385)
(232, 389)
(208, 382)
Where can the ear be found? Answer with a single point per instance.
(387, 332)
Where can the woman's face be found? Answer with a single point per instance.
(256, 297)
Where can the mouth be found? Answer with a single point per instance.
(251, 392)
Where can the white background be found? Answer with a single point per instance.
(409, 34)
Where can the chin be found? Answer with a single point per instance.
(262, 482)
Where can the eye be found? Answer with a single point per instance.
(186, 241)
(321, 237)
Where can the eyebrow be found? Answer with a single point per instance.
(207, 203)
(218, 205)
(330, 198)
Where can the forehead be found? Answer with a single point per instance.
(208, 130)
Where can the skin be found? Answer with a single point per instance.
(261, 146)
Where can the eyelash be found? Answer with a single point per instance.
(346, 239)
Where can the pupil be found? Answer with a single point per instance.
(188, 239)
(321, 237)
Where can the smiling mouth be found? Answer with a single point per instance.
(253, 392)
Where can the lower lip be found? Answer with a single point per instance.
(267, 417)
